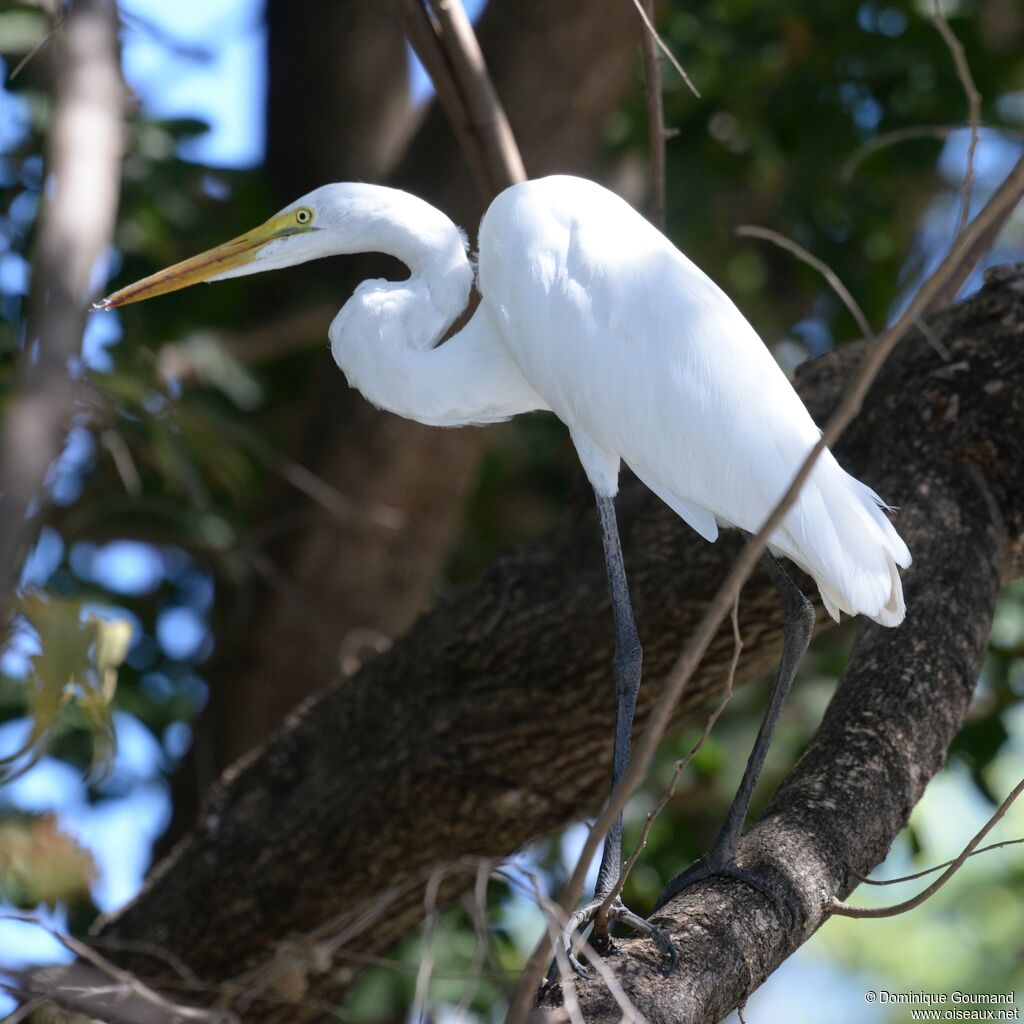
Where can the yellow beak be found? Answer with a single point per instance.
(236, 253)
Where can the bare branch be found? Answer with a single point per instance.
(842, 909)
(639, 5)
(25, 1011)
(963, 72)
(864, 880)
(657, 136)
(482, 950)
(928, 131)
(24, 62)
(749, 231)
(557, 922)
(199, 360)
(426, 964)
(443, 39)
(98, 999)
(486, 115)
(978, 239)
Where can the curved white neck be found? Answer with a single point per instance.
(386, 336)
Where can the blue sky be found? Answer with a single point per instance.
(226, 86)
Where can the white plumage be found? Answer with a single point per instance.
(589, 311)
(586, 310)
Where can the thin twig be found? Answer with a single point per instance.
(482, 949)
(933, 339)
(557, 923)
(750, 231)
(133, 21)
(864, 880)
(422, 32)
(332, 936)
(426, 965)
(843, 909)
(121, 455)
(683, 762)
(963, 72)
(21, 65)
(997, 210)
(314, 628)
(927, 131)
(656, 134)
(985, 230)
(630, 1014)
(638, 4)
(25, 1011)
(182, 969)
(126, 981)
(302, 478)
(555, 918)
(185, 362)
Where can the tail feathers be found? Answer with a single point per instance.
(844, 540)
(832, 601)
(894, 610)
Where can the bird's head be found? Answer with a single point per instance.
(315, 225)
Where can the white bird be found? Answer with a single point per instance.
(590, 312)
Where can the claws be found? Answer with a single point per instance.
(617, 912)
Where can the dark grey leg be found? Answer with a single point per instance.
(798, 624)
(627, 664)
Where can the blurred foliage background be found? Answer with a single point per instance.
(199, 466)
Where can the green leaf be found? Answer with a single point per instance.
(76, 668)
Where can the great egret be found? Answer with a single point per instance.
(588, 311)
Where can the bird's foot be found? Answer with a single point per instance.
(721, 863)
(601, 941)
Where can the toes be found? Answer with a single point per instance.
(644, 927)
(635, 921)
(573, 926)
(695, 873)
(578, 967)
(705, 868)
(616, 912)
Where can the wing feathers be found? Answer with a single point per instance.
(634, 348)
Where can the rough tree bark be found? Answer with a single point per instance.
(488, 724)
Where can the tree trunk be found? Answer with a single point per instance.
(83, 172)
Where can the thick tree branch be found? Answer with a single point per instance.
(904, 695)
(488, 724)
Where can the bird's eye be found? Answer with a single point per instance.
(303, 215)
